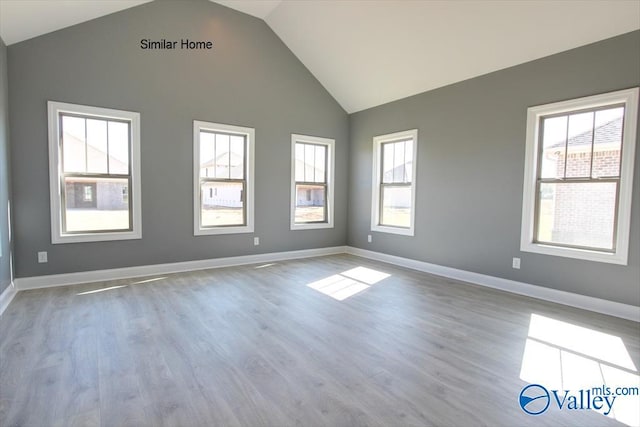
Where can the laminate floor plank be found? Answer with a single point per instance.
(284, 344)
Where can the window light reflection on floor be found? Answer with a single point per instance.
(563, 356)
(348, 283)
(110, 288)
(95, 291)
(265, 265)
(154, 279)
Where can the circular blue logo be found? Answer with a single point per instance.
(534, 399)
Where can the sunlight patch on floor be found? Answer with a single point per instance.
(348, 283)
(563, 356)
(578, 339)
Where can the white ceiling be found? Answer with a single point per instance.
(367, 53)
(258, 8)
(24, 19)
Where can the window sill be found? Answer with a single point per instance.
(582, 254)
(222, 230)
(393, 230)
(95, 237)
(312, 226)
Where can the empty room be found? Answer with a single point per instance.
(319, 213)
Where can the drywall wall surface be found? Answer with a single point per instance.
(471, 166)
(5, 184)
(249, 78)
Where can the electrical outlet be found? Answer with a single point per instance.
(42, 257)
(256, 241)
(516, 263)
(369, 239)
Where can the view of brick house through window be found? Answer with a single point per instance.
(579, 175)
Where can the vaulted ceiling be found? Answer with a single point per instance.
(368, 53)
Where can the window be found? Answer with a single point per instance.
(312, 163)
(578, 177)
(94, 158)
(88, 193)
(394, 175)
(223, 178)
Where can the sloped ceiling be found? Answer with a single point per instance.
(368, 53)
(24, 19)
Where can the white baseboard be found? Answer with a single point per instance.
(598, 305)
(7, 296)
(53, 280)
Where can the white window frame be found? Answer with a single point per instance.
(247, 132)
(377, 179)
(329, 197)
(54, 110)
(628, 97)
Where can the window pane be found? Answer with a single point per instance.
(408, 155)
(396, 206)
(237, 157)
(398, 162)
(578, 214)
(222, 156)
(309, 160)
(299, 162)
(553, 147)
(310, 203)
(579, 145)
(387, 162)
(607, 143)
(96, 146)
(320, 163)
(207, 154)
(96, 204)
(119, 148)
(73, 144)
(88, 193)
(222, 203)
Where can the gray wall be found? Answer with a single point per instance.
(250, 78)
(471, 148)
(5, 193)
(471, 165)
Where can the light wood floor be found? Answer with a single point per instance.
(255, 346)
